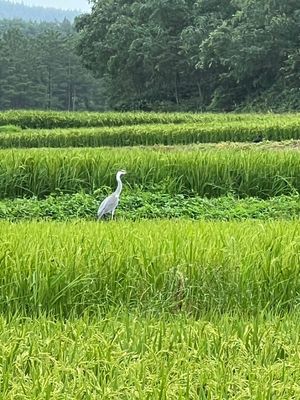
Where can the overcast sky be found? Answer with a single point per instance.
(64, 4)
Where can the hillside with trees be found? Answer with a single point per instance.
(39, 68)
(10, 10)
(195, 55)
(203, 55)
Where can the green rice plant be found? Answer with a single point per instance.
(166, 134)
(137, 204)
(9, 129)
(210, 173)
(129, 357)
(64, 269)
(55, 119)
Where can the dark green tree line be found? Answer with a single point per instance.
(39, 68)
(203, 54)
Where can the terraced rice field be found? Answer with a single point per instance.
(193, 292)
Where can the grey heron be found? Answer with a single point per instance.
(109, 204)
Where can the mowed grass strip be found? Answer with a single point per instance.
(212, 173)
(166, 134)
(56, 119)
(129, 357)
(65, 269)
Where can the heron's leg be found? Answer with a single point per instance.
(112, 214)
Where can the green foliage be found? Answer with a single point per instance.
(137, 204)
(203, 55)
(125, 309)
(56, 119)
(122, 356)
(66, 269)
(9, 129)
(40, 69)
(206, 173)
(209, 129)
(155, 55)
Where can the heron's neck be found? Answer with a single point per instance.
(119, 187)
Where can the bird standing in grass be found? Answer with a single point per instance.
(111, 202)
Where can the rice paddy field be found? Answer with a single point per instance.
(192, 292)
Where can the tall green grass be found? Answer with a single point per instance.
(65, 269)
(54, 119)
(148, 309)
(207, 173)
(167, 134)
(129, 357)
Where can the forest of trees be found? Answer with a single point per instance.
(216, 55)
(39, 68)
(195, 54)
(10, 10)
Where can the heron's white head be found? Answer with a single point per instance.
(121, 173)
